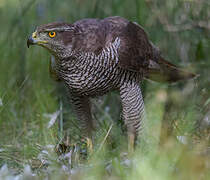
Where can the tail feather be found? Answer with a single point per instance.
(163, 71)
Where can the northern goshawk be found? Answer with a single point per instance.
(96, 56)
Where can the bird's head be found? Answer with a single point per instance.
(55, 37)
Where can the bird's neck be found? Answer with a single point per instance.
(64, 54)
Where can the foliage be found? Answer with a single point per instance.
(181, 30)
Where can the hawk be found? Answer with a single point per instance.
(95, 56)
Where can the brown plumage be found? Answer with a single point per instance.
(94, 56)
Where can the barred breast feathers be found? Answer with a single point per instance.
(108, 57)
(91, 73)
(108, 53)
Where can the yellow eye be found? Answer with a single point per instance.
(52, 34)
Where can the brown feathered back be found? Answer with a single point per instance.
(135, 49)
(136, 52)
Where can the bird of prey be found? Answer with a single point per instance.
(96, 56)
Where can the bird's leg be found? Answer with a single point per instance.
(133, 110)
(83, 112)
(131, 142)
(89, 145)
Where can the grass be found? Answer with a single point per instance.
(27, 94)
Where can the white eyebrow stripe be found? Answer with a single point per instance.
(59, 29)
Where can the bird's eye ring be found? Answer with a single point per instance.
(52, 34)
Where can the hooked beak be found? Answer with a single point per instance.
(32, 40)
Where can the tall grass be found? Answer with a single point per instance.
(27, 94)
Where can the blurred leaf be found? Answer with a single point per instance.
(199, 51)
